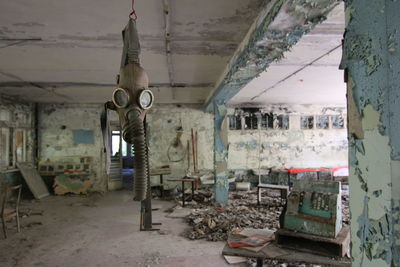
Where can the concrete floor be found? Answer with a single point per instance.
(102, 231)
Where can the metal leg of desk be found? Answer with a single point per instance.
(193, 189)
(258, 195)
(183, 194)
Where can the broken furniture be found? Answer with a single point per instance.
(313, 219)
(9, 213)
(184, 180)
(283, 188)
(273, 252)
(160, 171)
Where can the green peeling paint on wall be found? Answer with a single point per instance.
(370, 57)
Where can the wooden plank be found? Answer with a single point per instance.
(33, 180)
(287, 256)
(274, 186)
(158, 171)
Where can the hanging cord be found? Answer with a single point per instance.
(133, 11)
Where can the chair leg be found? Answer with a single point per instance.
(4, 226)
(18, 223)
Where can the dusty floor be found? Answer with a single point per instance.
(101, 231)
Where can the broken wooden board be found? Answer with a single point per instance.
(63, 184)
(33, 180)
(288, 256)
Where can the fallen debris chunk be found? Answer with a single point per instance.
(215, 223)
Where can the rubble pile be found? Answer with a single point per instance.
(213, 223)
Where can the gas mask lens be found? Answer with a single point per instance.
(146, 99)
(121, 98)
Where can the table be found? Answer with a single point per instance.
(184, 180)
(161, 172)
(273, 252)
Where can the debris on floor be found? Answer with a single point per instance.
(214, 223)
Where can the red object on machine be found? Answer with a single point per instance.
(294, 171)
(340, 171)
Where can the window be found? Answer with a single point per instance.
(235, 122)
(255, 119)
(267, 121)
(282, 122)
(4, 146)
(307, 122)
(322, 122)
(15, 138)
(337, 122)
(251, 122)
(119, 145)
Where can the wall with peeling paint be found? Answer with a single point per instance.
(292, 148)
(372, 61)
(57, 123)
(164, 121)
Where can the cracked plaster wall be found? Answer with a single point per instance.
(292, 148)
(372, 60)
(163, 122)
(56, 125)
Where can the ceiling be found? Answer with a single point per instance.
(70, 51)
(308, 74)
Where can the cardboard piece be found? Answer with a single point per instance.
(234, 259)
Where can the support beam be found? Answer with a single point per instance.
(221, 153)
(280, 24)
(372, 61)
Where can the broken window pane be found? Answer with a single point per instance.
(19, 145)
(307, 122)
(282, 122)
(337, 122)
(270, 121)
(251, 122)
(5, 115)
(264, 121)
(322, 122)
(235, 122)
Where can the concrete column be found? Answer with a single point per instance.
(221, 153)
(372, 60)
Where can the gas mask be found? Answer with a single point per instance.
(131, 100)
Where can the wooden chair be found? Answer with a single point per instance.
(9, 213)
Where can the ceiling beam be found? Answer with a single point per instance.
(279, 25)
